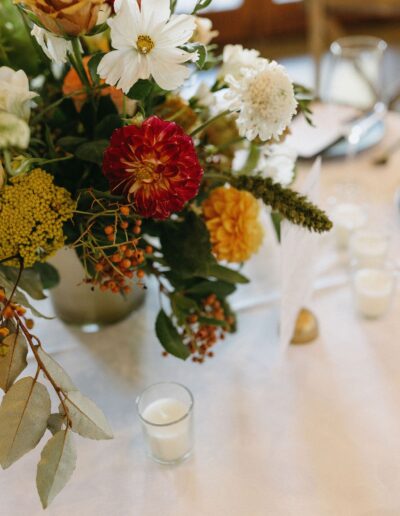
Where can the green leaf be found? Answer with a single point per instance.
(107, 126)
(55, 422)
(186, 246)
(49, 275)
(98, 29)
(169, 337)
(200, 5)
(70, 143)
(23, 419)
(58, 374)
(93, 64)
(221, 289)
(57, 463)
(14, 362)
(92, 151)
(141, 90)
(87, 419)
(182, 306)
(224, 273)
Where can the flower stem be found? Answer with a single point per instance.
(209, 122)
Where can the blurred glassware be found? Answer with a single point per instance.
(354, 76)
(369, 247)
(373, 289)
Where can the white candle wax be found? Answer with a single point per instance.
(347, 217)
(369, 248)
(373, 291)
(172, 442)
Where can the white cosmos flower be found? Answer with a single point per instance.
(146, 42)
(54, 47)
(278, 162)
(15, 96)
(264, 97)
(235, 58)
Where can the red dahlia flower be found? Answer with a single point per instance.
(154, 165)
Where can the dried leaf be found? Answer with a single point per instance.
(55, 422)
(57, 463)
(87, 419)
(23, 419)
(14, 362)
(58, 374)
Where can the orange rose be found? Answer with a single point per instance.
(65, 17)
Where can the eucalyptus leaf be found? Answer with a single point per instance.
(58, 374)
(23, 419)
(55, 422)
(87, 419)
(29, 281)
(57, 463)
(14, 362)
(169, 337)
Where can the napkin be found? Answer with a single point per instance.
(299, 251)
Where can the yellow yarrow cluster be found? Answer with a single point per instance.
(232, 218)
(32, 213)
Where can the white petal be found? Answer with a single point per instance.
(125, 25)
(111, 66)
(143, 65)
(154, 13)
(131, 72)
(168, 75)
(178, 31)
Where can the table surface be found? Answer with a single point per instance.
(314, 431)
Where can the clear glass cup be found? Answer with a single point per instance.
(354, 75)
(369, 247)
(166, 413)
(373, 289)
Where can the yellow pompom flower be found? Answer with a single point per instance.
(32, 213)
(232, 218)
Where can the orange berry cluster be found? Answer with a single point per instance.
(199, 336)
(8, 311)
(115, 270)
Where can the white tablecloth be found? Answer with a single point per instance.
(315, 432)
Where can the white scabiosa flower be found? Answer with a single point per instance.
(55, 48)
(204, 32)
(265, 99)
(278, 162)
(15, 97)
(146, 42)
(235, 59)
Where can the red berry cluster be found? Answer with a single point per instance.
(8, 312)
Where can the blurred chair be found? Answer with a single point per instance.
(324, 22)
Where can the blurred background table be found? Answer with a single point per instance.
(312, 433)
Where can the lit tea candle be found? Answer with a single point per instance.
(167, 422)
(369, 248)
(347, 218)
(373, 289)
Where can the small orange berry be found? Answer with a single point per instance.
(129, 253)
(124, 225)
(30, 323)
(108, 230)
(136, 230)
(138, 222)
(116, 258)
(126, 263)
(140, 273)
(127, 290)
(4, 332)
(99, 267)
(8, 312)
(148, 249)
(129, 274)
(111, 237)
(125, 210)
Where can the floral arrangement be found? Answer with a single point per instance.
(105, 149)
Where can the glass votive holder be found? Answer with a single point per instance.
(373, 289)
(166, 413)
(369, 247)
(347, 218)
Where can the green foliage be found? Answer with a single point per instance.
(304, 97)
(200, 5)
(186, 246)
(14, 361)
(169, 337)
